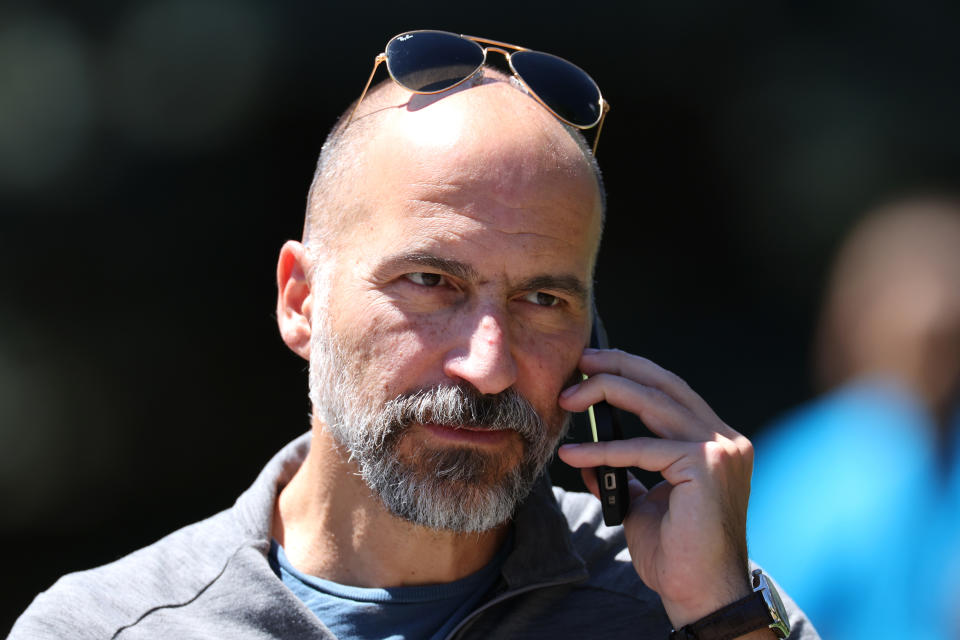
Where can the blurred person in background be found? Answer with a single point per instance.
(863, 484)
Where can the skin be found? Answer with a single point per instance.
(471, 261)
(686, 535)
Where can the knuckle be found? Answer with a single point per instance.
(602, 383)
(728, 445)
(620, 358)
(603, 447)
(605, 377)
(714, 454)
(746, 450)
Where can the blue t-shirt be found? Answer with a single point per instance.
(396, 613)
(851, 512)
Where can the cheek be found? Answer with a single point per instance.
(387, 352)
(547, 366)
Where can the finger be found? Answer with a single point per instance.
(651, 454)
(642, 370)
(662, 414)
(637, 489)
(654, 503)
(589, 475)
(650, 374)
(660, 494)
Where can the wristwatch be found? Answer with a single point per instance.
(761, 609)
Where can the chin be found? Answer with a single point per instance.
(454, 489)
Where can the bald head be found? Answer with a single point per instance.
(488, 123)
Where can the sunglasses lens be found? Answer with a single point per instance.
(431, 61)
(562, 85)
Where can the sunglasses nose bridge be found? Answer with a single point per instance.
(503, 52)
(507, 56)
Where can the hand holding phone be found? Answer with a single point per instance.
(688, 542)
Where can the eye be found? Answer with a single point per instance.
(424, 279)
(542, 299)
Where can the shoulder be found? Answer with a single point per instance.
(803, 479)
(878, 418)
(185, 568)
(99, 602)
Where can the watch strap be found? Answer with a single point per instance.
(734, 620)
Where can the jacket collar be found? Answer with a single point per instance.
(543, 550)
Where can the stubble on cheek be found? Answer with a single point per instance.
(375, 350)
(555, 418)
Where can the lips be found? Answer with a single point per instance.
(468, 435)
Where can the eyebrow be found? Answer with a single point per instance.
(568, 284)
(455, 268)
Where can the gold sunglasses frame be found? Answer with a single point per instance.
(493, 45)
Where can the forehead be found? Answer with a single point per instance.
(489, 157)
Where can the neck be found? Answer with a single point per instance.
(331, 526)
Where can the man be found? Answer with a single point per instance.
(442, 296)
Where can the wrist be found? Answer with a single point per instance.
(758, 615)
(683, 612)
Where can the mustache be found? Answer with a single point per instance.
(462, 405)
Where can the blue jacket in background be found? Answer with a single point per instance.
(855, 511)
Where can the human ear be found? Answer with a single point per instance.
(294, 298)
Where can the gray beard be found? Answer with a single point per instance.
(459, 489)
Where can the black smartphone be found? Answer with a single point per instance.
(605, 425)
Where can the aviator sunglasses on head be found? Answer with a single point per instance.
(428, 62)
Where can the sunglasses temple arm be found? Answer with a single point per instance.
(603, 116)
(381, 57)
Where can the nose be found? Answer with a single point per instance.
(485, 361)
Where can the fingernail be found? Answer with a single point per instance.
(589, 351)
(569, 391)
(571, 445)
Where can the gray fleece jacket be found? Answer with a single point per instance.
(568, 576)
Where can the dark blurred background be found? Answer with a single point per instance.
(155, 154)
